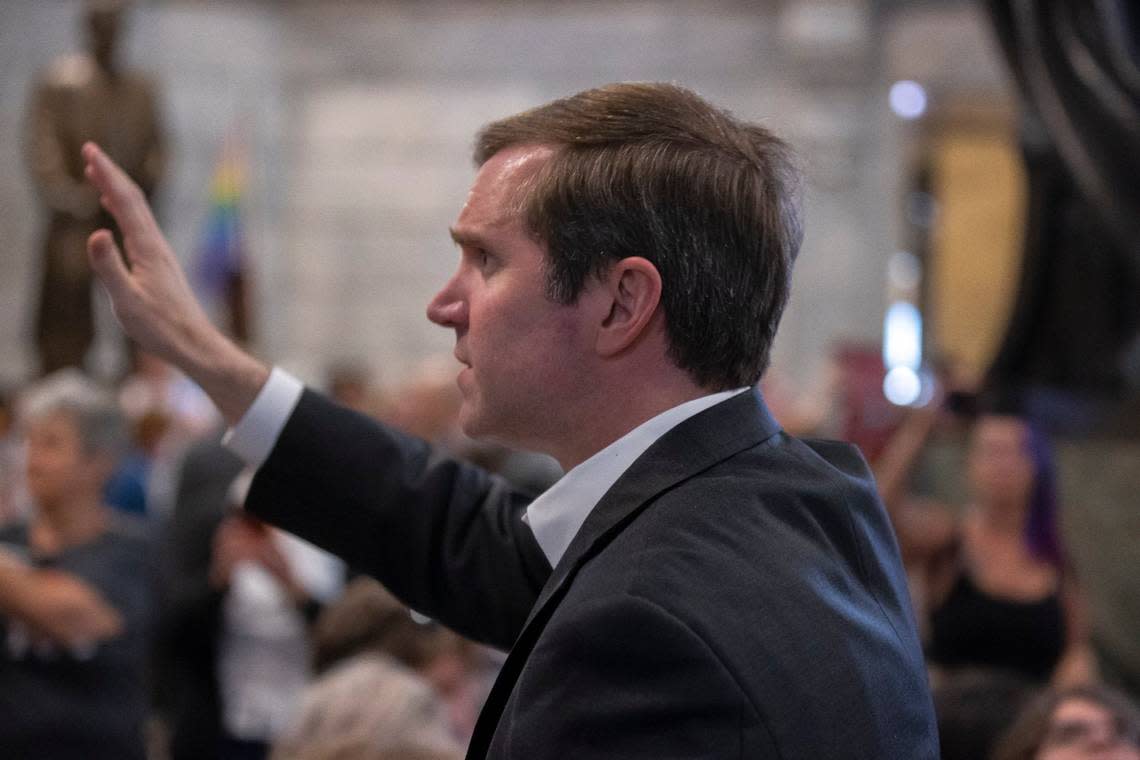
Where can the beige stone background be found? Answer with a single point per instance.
(359, 118)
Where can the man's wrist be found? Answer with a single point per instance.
(230, 376)
(253, 437)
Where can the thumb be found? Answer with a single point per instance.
(107, 262)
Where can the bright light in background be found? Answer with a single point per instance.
(908, 99)
(902, 346)
(902, 386)
(902, 336)
(926, 393)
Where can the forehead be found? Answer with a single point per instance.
(997, 430)
(55, 421)
(1081, 710)
(493, 203)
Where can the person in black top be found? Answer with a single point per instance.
(991, 577)
(75, 590)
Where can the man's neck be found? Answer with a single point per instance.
(1004, 518)
(613, 415)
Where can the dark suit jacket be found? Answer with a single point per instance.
(736, 594)
(191, 615)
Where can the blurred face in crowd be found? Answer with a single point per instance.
(1084, 730)
(519, 348)
(59, 467)
(1000, 467)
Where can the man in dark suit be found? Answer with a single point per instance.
(699, 584)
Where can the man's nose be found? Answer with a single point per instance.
(448, 308)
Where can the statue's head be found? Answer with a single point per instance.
(102, 21)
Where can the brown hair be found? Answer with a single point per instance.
(652, 170)
(1025, 736)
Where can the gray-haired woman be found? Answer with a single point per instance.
(75, 588)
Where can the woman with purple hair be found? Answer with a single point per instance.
(991, 577)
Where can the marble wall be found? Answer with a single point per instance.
(358, 118)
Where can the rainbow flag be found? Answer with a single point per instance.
(219, 276)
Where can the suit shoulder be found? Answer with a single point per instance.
(844, 457)
(787, 524)
(778, 479)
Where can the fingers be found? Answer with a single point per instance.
(117, 192)
(107, 263)
(105, 624)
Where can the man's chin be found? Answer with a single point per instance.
(470, 423)
(479, 428)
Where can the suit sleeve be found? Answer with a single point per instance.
(444, 536)
(628, 679)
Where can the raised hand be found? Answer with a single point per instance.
(152, 298)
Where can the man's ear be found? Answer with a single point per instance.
(633, 289)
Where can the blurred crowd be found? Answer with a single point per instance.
(144, 615)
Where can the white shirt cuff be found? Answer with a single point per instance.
(256, 433)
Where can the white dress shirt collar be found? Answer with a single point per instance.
(559, 512)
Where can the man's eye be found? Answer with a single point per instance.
(486, 260)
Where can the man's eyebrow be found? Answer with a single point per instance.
(464, 238)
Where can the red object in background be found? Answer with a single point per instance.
(867, 419)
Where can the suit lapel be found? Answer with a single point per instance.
(691, 447)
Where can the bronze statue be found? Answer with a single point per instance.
(81, 97)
